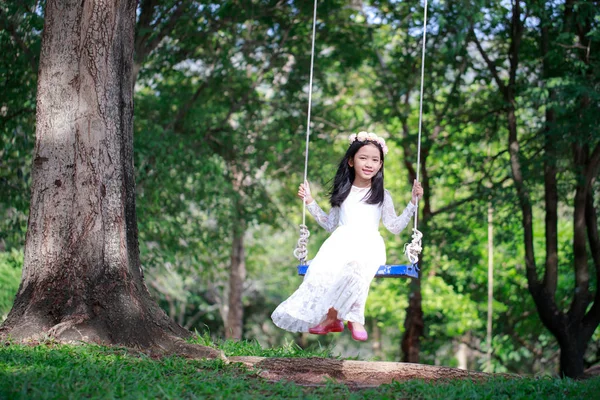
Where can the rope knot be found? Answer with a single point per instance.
(413, 249)
(301, 252)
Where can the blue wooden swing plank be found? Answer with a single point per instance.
(385, 271)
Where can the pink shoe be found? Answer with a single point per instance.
(337, 326)
(359, 336)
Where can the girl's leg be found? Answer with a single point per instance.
(358, 330)
(329, 324)
(332, 315)
(358, 327)
(330, 318)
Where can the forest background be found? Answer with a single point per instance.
(510, 131)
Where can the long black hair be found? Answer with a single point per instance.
(342, 183)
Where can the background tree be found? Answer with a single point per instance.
(240, 102)
(566, 32)
(19, 22)
(221, 95)
(18, 76)
(82, 278)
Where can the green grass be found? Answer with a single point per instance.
(253, 348)
(51, 371)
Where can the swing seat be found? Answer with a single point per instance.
(385, 271)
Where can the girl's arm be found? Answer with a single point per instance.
(329, 222)
(395, 223)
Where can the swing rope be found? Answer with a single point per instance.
(301, 252)
(413, 249)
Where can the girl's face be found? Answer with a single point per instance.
(366, 163)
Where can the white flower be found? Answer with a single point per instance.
(363, 136)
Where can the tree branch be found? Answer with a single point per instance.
(550, 171)
(515, 164)
(516, 31)
(166, 28)
(453, 90)
(192, 320)
(479, 194)
(6, 118)
(593, 166)
(581, 294)
(491, 66)
(385, 72)
(592, 318)
(244, 99)
(176, 122)
(7, 24)
(143, 27)
(144, 42)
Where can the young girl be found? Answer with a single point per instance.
(336, 285)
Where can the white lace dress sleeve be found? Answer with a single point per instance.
(395, 223)
(328, 221)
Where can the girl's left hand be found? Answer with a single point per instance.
(417, 192)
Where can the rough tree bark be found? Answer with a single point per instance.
(82, 279)
(354, 374)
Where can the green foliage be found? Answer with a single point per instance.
(11, 264)
(20, 25)
(233, 348)
(219, 147)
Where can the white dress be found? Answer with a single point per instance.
(340, 274)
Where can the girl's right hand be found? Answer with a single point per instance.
(417, 191)
(304, 193)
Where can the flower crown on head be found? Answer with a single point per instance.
(369, 137)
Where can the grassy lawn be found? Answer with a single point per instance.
(51, 371)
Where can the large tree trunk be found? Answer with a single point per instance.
(82, 279)
(237, 276)
(572, 350)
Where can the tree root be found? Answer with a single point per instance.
(356, 374)
(71, 323)
(79, 329)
